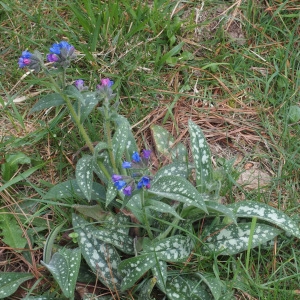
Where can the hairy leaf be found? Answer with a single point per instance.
(159, 271)
(177, 188)
(174, 169)
(215, 285)
(9, 282)
(119, 140)
(267, 213)
(161, 207)
(145, 293)
(202, 158)
(51, 100)
(94, 211)
(111, 193)
(64, 266)
(233, 239)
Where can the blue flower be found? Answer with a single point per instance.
(52, 57)
(136, 157)
(25, 59)
(127, 190)
(126, 164)
(146, 153)
(57, 47)
(120, 184)
(145, 181)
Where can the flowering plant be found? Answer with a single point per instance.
(162, 209)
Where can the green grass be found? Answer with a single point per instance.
(162, 57)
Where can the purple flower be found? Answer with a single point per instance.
(106, 82)
(146, 153)
(120, 184)
(136, 157)
(145, 181)
(25, 59)
(126, 164)
(52, 57)
(127, 190)
(79, 83)
(116, 177)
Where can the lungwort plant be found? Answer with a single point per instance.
(139, 232)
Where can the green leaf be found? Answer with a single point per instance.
(119, 140)
(170, 54)
(160, 272)
(64, 266)
(174, 169)
(202, 158)
(73, 92)
(294, 114)
(9, 282)
(101, 257)
(12, 163)
(164, 144)
(215, 285)
(183, 288)
(84, 175)
(134, 205)
(232, 239)
(146, 289)
(134, 268)
(51, 100)
(50, 242)
(178, 188)
(70, 189)
(89, 102)
(161, 207)
(267, 213)
(95, 211)
(111, 193)
(12, 234)
(173, 249)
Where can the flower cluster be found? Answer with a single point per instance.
(61, 54)
(106, 82)
(128, 183)
(32, 61)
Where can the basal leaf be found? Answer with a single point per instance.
(134, 268)
(84, 175)
(101, 257)
(93, 211)
(202, 158)
(267, 213)
(233, 239)
(70, 189)
(134, 205)
(159, 271)
(173, 249)
(215, 285)
(146, 289)
(161, 207)
(51, 100)
(64, 266)
(178, 188)
(10, 231)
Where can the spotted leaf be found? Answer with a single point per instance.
(202, 158)
(267, 213)
(51, 100)
(173, 249)
(70, 189)
(164, 143)
(161, 207)
(159, 271)
(101, 257)
(119, 140)
(90, 100)
(134, 268)
(146, 289)
(183, 288)
(174, 169)
(178, 188)
(214, 284)
(234, 239)
(84, 175)
(64, 266)
(111, 193)
(9, 282)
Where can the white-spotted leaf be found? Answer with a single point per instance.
(202, 158)
(267, 213)
(174, 169)
(86, 106)
(93, 211)
(159, 271)
(183, 288)
(146, 289)
(51, 100)
(178, 188)
(233, 239)
(134, 268)
(70, 189)
(64, 266)
(119, 140)
(161, 207)
(84, 175)
(10, 281)
(111, 193)
(173, 249)
(164, 144)
(215, 285)
(101, 257)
